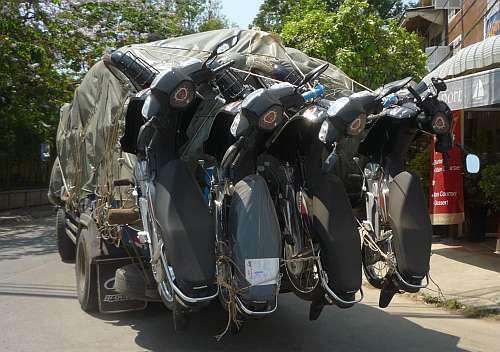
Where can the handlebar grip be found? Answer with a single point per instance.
(389, 100)
(317, 91)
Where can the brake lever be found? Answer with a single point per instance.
(330, 161)
(415, 94)
(374, 117)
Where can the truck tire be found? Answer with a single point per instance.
(86, 274)
(65, 246)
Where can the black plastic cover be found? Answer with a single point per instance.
(411, 226)
(187, 227)
(255, 235)
(334, 223)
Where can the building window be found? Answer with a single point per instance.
(452, 13)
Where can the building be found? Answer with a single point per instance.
(462, 41)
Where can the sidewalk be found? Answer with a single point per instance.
(468, 272)
(15, 216)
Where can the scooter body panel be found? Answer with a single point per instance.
(411, 226)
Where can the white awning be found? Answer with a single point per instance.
(474, 58)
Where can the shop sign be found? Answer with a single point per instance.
(446, 198)
(473, 90)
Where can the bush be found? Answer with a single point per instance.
(490, 185)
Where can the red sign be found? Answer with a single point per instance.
(446, 198)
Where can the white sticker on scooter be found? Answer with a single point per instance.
(262, 271)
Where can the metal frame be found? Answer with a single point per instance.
(176, 289)
(251, 312)
(400, 278)
(324, 282)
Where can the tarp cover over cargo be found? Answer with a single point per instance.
(88, 135)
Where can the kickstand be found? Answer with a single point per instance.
(387, 292)
(315, 309)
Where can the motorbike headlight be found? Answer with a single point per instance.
(327, 133)
(271, 118)
(440, 124)
(182, 95)
(357, 125)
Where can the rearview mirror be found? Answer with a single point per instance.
(392, 87)
(472, 163)
(226, 44)
(314, 74)
(439, 84)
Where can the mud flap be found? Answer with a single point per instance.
(334, 224)
(411, 227)
(111, 301)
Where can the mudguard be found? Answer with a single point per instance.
(411, 226)
(256, 242)
(336, 228)
(187, 228)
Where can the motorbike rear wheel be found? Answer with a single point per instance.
(303, 275)
(374, 266)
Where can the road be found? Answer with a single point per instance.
(39, 312)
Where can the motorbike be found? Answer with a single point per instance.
(286, 216)
(177, 225)
(371, 132)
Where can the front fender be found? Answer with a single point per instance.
(411, 226)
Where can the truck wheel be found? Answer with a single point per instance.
(65, 245)
(86, 274)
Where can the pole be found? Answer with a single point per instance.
(497, 250)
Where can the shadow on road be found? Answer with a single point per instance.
(37, 290)
(362, 328)
(27, 240)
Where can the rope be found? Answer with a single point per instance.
(231, 305)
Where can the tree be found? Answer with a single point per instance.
(272, 13)
(31, 87)
(212, 17)
(366, 47)
(47, 46)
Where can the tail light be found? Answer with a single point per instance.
(357, 125)
(182, 95)
(271, 118)
(440, 124)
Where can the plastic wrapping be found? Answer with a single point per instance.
(91, 125)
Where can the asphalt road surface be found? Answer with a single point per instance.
(39, 312)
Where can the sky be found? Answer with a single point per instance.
(241, 12)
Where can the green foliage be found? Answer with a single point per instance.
(212, 24)
(47, 46)
(421, 165)
(365, 46)
(490, 184)
(273, 13)
(31, 87)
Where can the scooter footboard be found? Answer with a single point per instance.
(411, 227)
(334, 223)
(187, 228)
